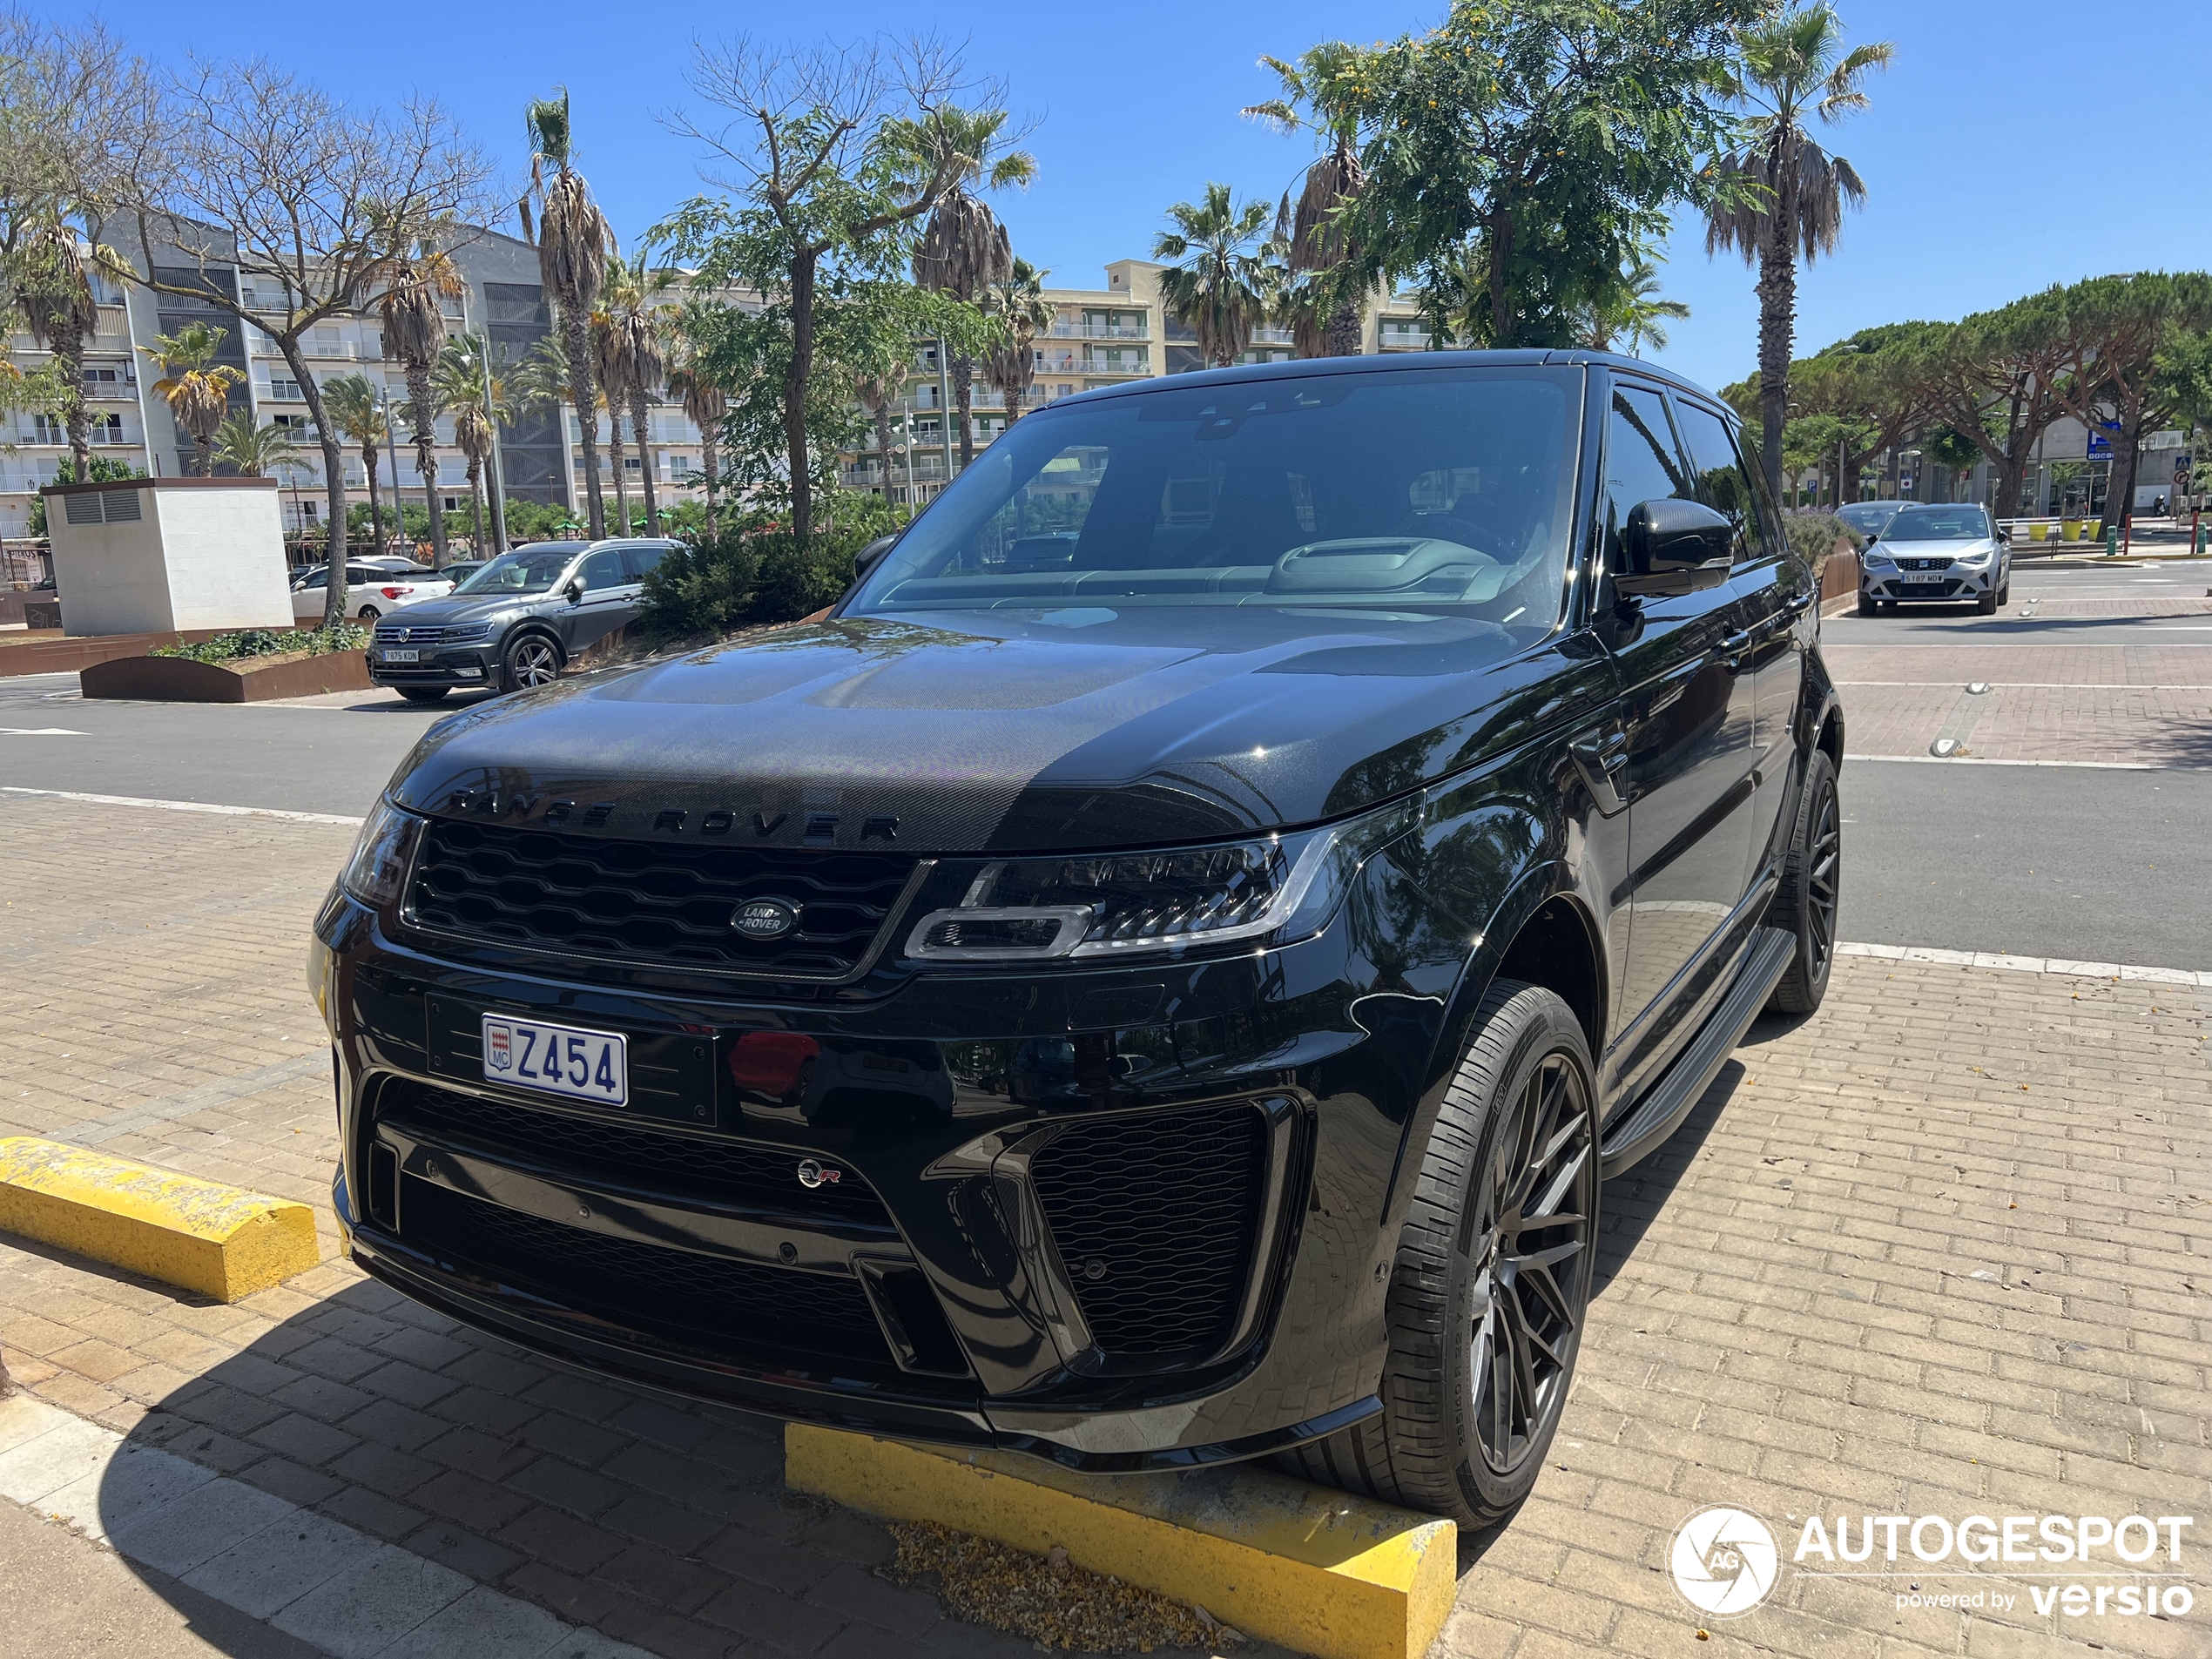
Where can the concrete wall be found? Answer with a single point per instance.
(164, 555)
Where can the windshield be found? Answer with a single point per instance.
(1937, 524)
(1868, 516)
(1421, 490)
(528, 570)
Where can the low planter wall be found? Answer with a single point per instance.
(247, 679)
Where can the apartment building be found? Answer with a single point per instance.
(1099, 337)
(502, 301)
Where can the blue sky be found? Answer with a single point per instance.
(2015, 144)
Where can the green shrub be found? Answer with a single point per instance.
(758, 573)
(1813, 537)
(269, 642)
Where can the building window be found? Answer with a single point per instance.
(284, 391)
(99, 378)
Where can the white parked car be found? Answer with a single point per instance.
(374, 588)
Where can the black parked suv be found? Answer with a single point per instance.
(1159, 974)
(515, 622)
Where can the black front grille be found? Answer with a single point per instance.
(705, 1302)
(1155, 1217)
(680, 1167)
(401, 633)
(652, 904)
(1924, 564)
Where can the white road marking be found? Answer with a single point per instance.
(37, 731)
(184, 805)
(2123, 971)
(1985, 761)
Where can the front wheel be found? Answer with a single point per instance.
(1811, 884)
(531, 660)
(1866, 606)
(1492, 1281)
(1986, 604)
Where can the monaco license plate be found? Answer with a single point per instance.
(557, 1060)
(399, 656)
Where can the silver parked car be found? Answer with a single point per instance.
(1944, 552)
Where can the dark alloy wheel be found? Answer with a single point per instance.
(530, 660)
(1492, 1281)
(1811, 883)
(424, 693)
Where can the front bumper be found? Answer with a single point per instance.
(946, 1298)
(451, 665)
(1957, 583)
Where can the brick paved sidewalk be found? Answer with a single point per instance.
(1819, 1296)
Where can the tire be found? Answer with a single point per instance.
(2005, 594)
(424, 693)
(1987, 602)
(1811, 882)
(530, 659)
(1517, 1131)
(1866, 606)
(369, 614)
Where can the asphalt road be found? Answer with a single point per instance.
(2090, 865)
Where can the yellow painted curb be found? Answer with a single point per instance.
(1318, 1571)
(223, 1242)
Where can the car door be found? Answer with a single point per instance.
(1775, 591)
(1687, 716)
(609, 600)
(309, 597)
(636, 561)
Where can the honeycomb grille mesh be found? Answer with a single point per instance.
(1155, 1218)
(722, 1306)
(654, 904)
(679, 1166)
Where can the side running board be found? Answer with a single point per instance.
(1661, 1111)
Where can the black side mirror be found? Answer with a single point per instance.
(871, 555)
(1675, 546)
(575, 589)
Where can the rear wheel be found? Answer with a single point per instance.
(531, 659)
(1812, 882)
(368, 614)
(1492, 1281)
(424, 693)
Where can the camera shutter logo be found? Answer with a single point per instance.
(1724, 1562)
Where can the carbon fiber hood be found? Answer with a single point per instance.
(973, 732)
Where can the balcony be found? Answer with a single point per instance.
(1395, 335)
(1070, 363)
(1097, 331)
(1272, 335)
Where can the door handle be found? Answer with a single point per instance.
(1733, 648)
(1600, 758)
(1798, 604)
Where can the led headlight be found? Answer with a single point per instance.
(459, 632)
(378, 865)
(1977, 561)
(1876, 561)
(1096, 906)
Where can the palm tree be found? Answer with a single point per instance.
(414, 332)
(355, 408)
(1633, 308)
(707, 405)
(626, 341)
(197, 388)
(964, 248)
(878, 390)
(1222, 282)
(467, 385)
(573, 240)
(252, 450)
(51, 276)
(1782, 193)
(1317, 246)
(1019, 307)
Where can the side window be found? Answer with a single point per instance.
(1642, 462)
(1723, 484)
(319, 580)
(636, 561)
(603, 570)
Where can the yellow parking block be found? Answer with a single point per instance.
(221, 1241)
(1318, 1571)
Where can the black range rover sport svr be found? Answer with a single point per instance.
(1160, 974)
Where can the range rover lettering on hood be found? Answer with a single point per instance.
(1000, 734)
